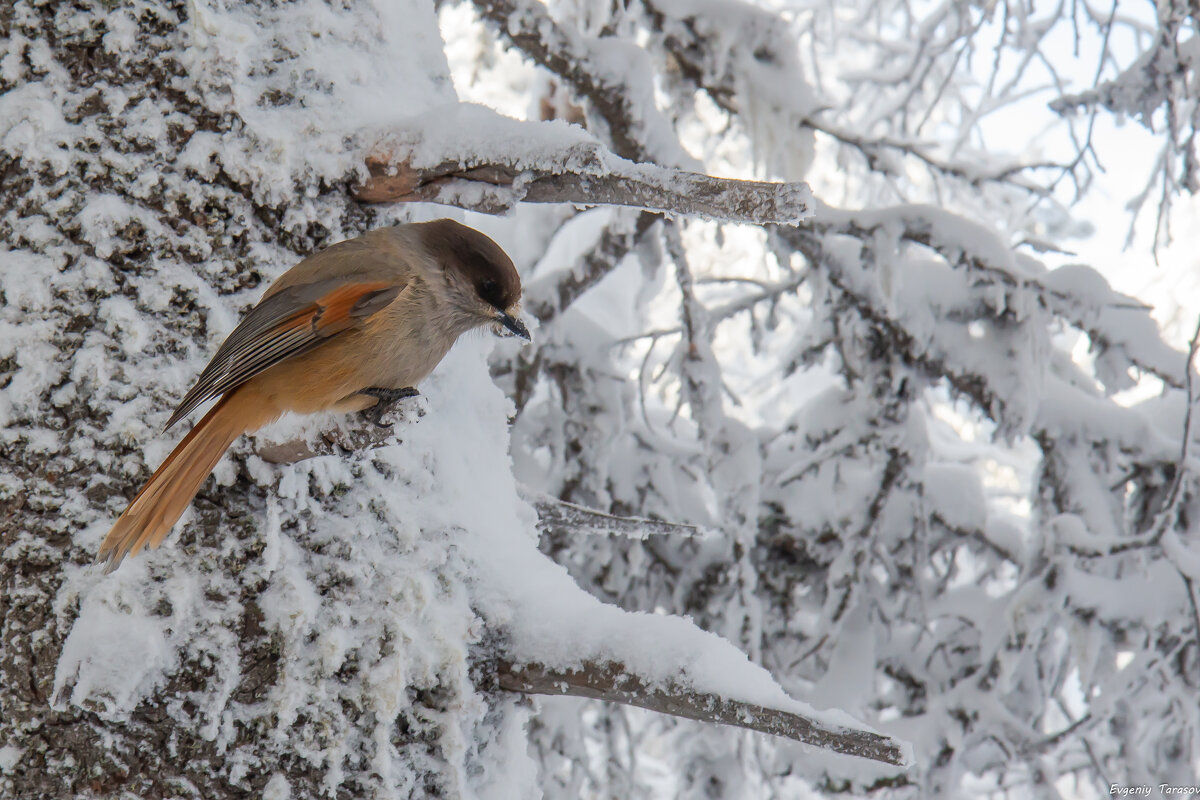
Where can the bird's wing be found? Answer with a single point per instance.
(292, 321)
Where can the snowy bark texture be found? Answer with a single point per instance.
(135, 194)
(861, 445)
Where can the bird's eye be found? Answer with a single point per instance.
(489, 290)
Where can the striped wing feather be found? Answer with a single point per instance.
(284, 325)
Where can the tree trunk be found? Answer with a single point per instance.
(120, 219)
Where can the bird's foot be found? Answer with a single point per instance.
(387, 399)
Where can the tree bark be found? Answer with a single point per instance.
(65, 465)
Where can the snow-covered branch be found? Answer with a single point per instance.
(337, 439)
(583, 175)
(728, 77)
(1159, 89)
(969, 384)
(614, 683)
(1077, 295)
(1064, 413)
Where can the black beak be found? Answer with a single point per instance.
(514, 325)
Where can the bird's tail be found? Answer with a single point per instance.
(163, 499)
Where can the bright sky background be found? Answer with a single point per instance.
(1127, 152)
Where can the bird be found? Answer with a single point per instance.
(353, 327)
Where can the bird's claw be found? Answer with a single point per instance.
(387, 400)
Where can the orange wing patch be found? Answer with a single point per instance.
(345, 305)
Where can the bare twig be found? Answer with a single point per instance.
(875, 151)
(610, 681)
(687, 49)
(555, 513)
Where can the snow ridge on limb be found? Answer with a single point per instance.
(580, 646)
(340, 439)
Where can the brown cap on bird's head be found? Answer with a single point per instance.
(481, 264)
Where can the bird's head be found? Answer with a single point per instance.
(481, 281)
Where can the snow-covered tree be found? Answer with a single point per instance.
(876, 448)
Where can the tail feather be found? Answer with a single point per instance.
(164, 498)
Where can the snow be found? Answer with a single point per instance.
(1156, 591)
(1182, 557)
(377, 64)
(956, 493)
(10, 756)
(277, 788)
(32, 122)
(1130, 332)
(760, 53)
(118, 656)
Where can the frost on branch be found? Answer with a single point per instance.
(1158, 87)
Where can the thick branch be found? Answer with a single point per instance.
(591, 177)
(611, 682)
